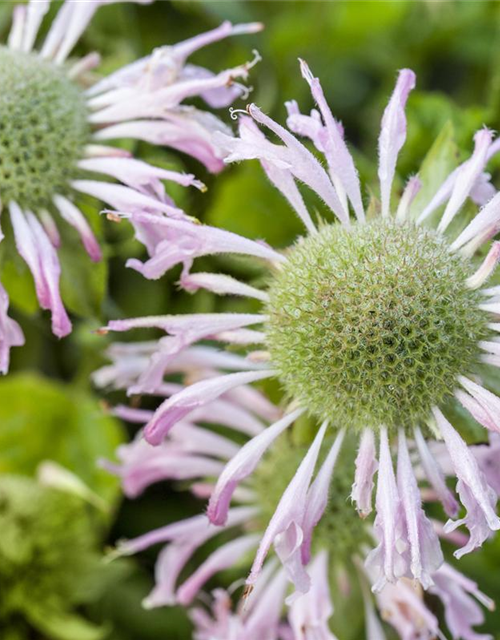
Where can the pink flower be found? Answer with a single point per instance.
(144, 100)
(386, 382)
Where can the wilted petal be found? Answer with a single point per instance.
(125, 198)
(335, 149)
(285, 527)
(193, 397)
(486, 268)
(303, 165)
(461, 612)
(34, 16)
(412, 188)
(309, 613)
(76, 219)
(435, 475)
(37, 251)
(476, 495)
(183, 331)
(393, 135)
(425, 550)
(402, 606)
(366, 466)
(487, 219)
(189, 131)
(224, 557)
(11, 334)
(479, 410)
(242, 465)
(15, 39)
(280, 176)
(70, 23)
(189, 241)
(466, 177)
(317, 496)
(222, 285)
(387, 558)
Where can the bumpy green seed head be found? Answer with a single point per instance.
(341, 531)
(43, 129)
(371, 325)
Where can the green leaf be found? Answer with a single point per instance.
(440, 161)
(45, 420)
(83, 282)
(59, 625)
(249, 205)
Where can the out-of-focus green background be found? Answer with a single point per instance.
(48, 409)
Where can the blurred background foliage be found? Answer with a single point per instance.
(48, 409)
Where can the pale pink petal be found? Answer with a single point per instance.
(393, 135)
(486, 409)
(486, 220)
(187, 132)
(486, 269)
(169, 564)
(193, 397)
(15, 40)
(222, 285)
(412, 188)
(243, 465)
(84, 65)
(137, 174)
(130, 103)
(28, 250)
(285, 527)
(183, 50)
(302, 163)
(74, 24)
(373, 626)
(194, 527)
(50, 227)
(125, 198)
(199, 323)
(317, 496)
(402, 605)
(35, 248)
(466, 177)
(306, 126)
(482, 191)
(310, 613)
(263, 619)
(254, 400)
(11, 334)
(366, 466)
(190, 241)
(281, 177)
(476, 495)
(51, 271)
(34, 16)
(387, 559)
(76, 219)
(435, 475)
(461, 612)
(224, 557)
(183, 331)
(425, 550)
(337, 154)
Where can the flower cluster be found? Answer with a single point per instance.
(195, 453)
(55, 127)
(376, 325)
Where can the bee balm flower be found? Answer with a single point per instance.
(52, 130)
(372, 324)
